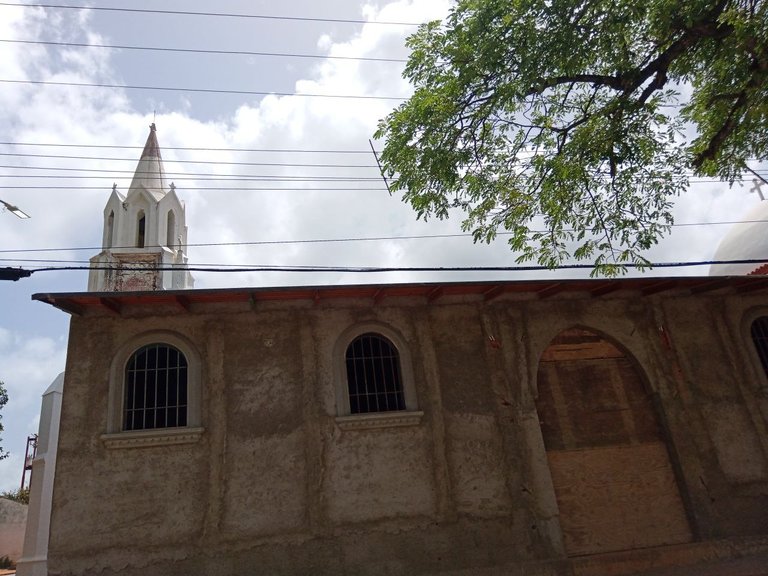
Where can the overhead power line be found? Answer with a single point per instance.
(210, 178)
(190, 265)
(211, 14)
(194, 148)
(253, 243)
(214, 162)
(366, 151)
(379, 269)
(212, 148)
(200, 90)
(246, 188)
(116, 174)
(203, 51)
(222, 188)
(166, 160)
(331, 240)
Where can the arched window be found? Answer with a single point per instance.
(110, 229)
(759, 331)
(171, 230)
(374, 375)
(141, 230)
(155, 388)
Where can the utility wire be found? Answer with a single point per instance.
(125, 174)
(134, 160)
(191, 265)
(253, 243)
(200, 90)
(225, 188)
(249, 188)
(194, 188)
(178, 175)
(209, 178)
(145, 173)
(265, 150)
(204, 51)
(275, 150)
(212, 14)
(331, 240)
(209, 149)
(215, 162)
(377, 269)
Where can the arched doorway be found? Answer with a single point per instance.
(613, 479)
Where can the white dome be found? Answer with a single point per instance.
(745, 241)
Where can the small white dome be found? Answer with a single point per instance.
(747, 240)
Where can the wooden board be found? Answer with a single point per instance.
(617, 498)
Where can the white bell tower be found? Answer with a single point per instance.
(144, 233)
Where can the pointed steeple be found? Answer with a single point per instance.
(150, 172)
(145, 234)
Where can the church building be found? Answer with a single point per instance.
(546, 428)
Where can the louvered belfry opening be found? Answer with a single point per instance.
(760, 338)
(374, 376)
(155, 388)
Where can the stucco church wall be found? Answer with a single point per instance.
(274, 482)
(149, 497)
(265, 467)
(721, 395)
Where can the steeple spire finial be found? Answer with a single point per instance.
(150, 173)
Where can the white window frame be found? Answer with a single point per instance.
(344, 418)
(115, 436)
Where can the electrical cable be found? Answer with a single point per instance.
(199, 90)
(211, 14)
(209, 178)
(122, 175)
(212, 149)
(190, 265)
(134, 160)
(195, 188)
(378, 269)
(330, 240)
(203, 51)
(154, 173)
(194, 148)
(254, 243)
(250, 189)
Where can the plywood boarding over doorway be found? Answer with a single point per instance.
(610, 467)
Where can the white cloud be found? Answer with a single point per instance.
(28, 365)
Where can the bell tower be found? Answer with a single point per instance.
(145, 233)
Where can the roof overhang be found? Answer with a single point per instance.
(105, 303)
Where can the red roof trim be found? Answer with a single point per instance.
(79, 302)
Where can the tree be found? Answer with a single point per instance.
(20, 495)
(573, 124)
(3, 402)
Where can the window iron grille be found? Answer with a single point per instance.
(374, 376)
(760, 339)
(155, 388)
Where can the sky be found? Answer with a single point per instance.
(66, 209)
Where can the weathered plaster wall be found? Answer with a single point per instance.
(275, 486)
(13, 521)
